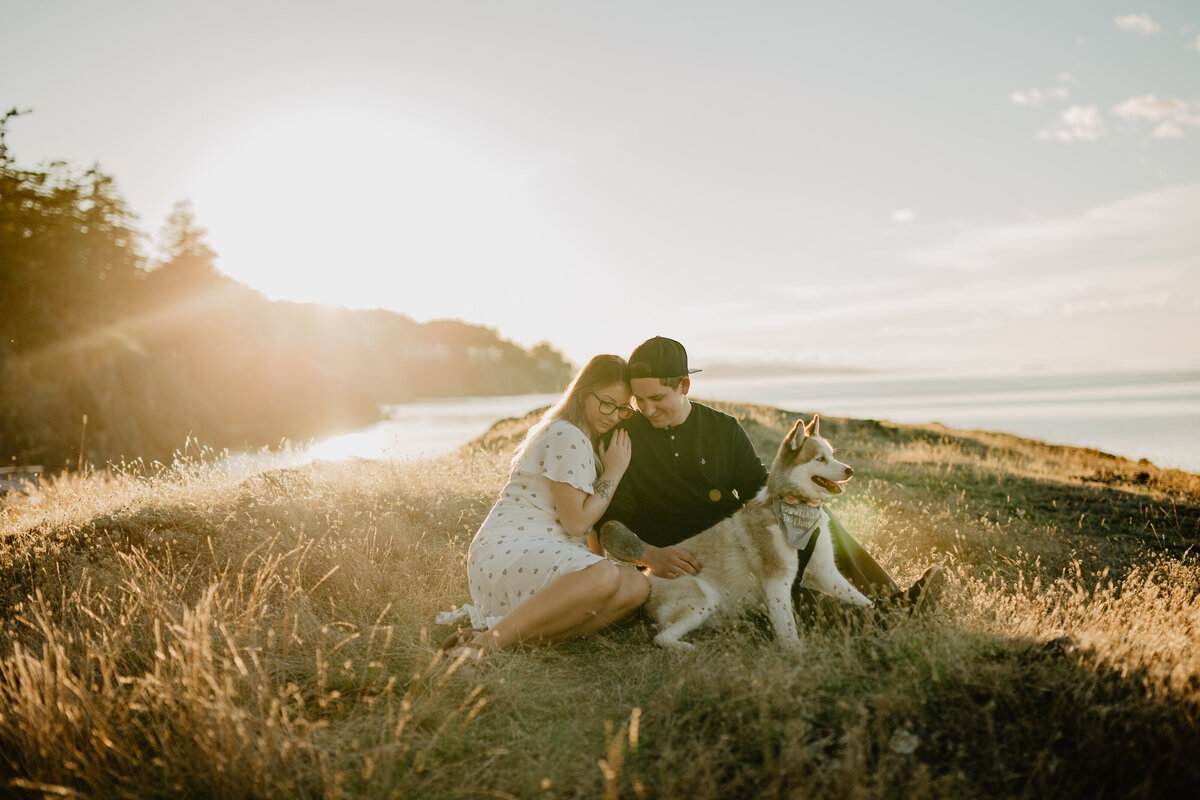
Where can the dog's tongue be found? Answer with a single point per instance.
(836, 487)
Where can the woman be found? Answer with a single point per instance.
(532, 575)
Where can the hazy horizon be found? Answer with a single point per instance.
(1009, 188)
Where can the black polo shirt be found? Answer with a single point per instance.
(685, 478)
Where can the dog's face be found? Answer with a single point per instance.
(805, 470)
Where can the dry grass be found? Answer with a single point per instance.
(190, 632)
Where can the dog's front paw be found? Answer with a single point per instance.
(792, 647)
(670, 643)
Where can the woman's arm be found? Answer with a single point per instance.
(577, 510)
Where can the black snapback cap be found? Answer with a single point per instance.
(659, 357)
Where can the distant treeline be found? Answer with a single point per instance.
(153, 351)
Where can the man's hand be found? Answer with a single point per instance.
(669, 562)
(665, 562)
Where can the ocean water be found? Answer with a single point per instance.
(1155, 416)
(430, 427)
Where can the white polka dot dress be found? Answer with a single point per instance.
(521, 547)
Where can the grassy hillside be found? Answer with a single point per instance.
(195, 633)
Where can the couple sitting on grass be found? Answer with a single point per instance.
(537, 569)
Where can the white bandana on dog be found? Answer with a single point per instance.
(798, 522)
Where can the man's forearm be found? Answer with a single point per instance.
(621, 542)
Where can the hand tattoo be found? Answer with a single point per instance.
(604, 488)
(621, 542)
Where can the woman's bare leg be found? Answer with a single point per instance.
(629, 598)
(571, 606)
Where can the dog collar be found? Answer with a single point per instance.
(797, 522)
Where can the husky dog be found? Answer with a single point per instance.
(752, 557)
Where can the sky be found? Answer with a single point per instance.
(917, 186)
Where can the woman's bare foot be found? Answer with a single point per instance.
(460, 637)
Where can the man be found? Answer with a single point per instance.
(692, 467)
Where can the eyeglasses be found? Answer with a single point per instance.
(606, 408)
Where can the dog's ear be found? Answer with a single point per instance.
(795, 438)
(813, 428)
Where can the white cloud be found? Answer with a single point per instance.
(1151, 301)
(1159, 221)
(1067, 77)
(903, 216)
(1035, 97)
(1169, 130)
(1173, 115)
(1150, 107)
(1194, 43)
(1142, 24)
(1077, 123)
(1112, 285)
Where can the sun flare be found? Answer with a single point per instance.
(367, 212)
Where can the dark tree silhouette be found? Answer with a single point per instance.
(156, 351)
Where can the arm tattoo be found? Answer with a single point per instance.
(621, 542)
(604, 489)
